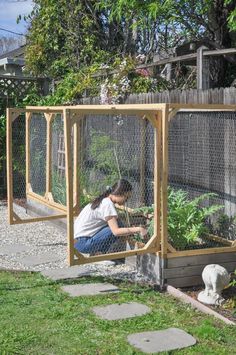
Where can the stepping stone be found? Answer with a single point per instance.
(89, 289)
(13, 249)
(105, 263)
(162, 340)
(121, 311)
(33, 260)
(67, 273)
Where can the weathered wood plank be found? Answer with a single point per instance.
(196, 270)
(201, 259)
(185, 281)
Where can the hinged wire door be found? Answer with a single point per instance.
(108, 148)
(59, 160)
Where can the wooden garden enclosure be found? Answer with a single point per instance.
(151, 145)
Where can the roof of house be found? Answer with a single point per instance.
(15, 53)
(16, 57)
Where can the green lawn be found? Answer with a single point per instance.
(36, 317)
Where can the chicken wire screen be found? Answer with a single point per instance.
(202, 179)
(37, 153)
(18, 172)
(113, 147)
(57, 168)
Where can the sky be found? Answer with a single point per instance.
(9, 10)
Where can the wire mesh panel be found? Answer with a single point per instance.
(18, 172)
(58, 178)
(202, 179)
(37, 149)
(114, 147)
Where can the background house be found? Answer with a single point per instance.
(12, 63)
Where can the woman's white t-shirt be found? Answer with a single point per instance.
(90, 221)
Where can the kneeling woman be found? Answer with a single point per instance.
(97, 227)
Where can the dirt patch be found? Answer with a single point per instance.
(227, 309)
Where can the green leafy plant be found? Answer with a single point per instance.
(59, 188)
(102, 161)
(186, 218)
(233, 277)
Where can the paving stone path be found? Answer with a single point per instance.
(44, 250)
(33, 260)
(161, 340)
(149, 342)
(10, 249)
(89, 289)
(121, 311)
(66, 273)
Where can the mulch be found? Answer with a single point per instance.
(227, 309)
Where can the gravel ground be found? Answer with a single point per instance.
(42, 238)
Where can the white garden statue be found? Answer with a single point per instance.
(215, 278)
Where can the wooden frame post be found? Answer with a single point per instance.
(164, 190)
(69, 185)
(157, 179)
(76, 168)
(142, 160)
(203, 76)
(48, 193)
(9, 167)
(28, 116)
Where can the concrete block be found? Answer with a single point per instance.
(89, 289)
(33, 260)
(161, 340)
(121, 311)
(72, 272)
(10, 249)
(149, 266)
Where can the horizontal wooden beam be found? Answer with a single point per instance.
(189, 57)
(45, 109)
(111, 256)
(201, 252)
(182, 58)
(186, 57)
(219, 107)
(217, 52)
(218, 239)
(28, 78)
(129, 108)
(38, 219)
(42, 200)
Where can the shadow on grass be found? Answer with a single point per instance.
(124, 285)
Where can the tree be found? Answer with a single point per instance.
(67, 35)
(160, 25)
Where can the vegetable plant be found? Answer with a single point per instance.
(186, 218)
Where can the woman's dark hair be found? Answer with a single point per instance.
(121, 187)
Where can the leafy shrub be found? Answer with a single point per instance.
(186, 219)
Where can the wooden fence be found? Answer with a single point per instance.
(14, 86)
(193, 96)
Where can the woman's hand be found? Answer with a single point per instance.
(143, 231)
